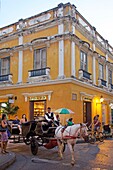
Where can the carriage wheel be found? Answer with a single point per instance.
(101, 137)
(27, 141)
(91, 138)
(34, 146)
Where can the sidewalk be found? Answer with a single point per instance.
(6, 160)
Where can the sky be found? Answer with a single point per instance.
(98, 13)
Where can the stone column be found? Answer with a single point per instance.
(94, 60)
(106, 70)
(73, 71)
(61, 42)
(20, 60)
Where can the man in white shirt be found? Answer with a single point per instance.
(50, 117)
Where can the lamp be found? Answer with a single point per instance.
(101, 99)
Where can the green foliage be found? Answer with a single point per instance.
(10, 109)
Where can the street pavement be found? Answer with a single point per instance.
(96, 156)
(6, 160)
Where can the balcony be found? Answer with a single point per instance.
(110, 87)
(102, 83)
(39, 75)
(6, 79)
(85, 76)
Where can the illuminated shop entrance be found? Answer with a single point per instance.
(37, 108)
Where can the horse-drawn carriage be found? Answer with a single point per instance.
(37, 133)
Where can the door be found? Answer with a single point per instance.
(87, 112)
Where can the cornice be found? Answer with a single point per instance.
(34, 28)
(90, 37)
(58, 81)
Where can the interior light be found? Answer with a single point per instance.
(3, 104)
(101, 99)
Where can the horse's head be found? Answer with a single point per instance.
(83, 130)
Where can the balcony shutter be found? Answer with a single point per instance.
(40, 58)
(43, 58)
(5, 66)
(37, 59)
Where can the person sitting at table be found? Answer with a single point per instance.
(16, 123)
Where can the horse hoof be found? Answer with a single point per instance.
(72, 163)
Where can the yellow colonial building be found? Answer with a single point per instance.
(57, 59)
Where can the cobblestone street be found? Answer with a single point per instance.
(87, 157)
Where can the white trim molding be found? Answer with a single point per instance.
(6, 96)
(84, 94)
(45, 93)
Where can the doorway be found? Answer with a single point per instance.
(87, 118)
(37, 108)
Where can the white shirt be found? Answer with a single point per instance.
(48, 119)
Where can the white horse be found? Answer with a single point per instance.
(69, 136)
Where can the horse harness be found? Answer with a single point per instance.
(70, 137)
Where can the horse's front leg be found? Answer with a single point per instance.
(71, 148)
(60, 147)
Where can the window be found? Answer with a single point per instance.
(83, 61)
(109, 76)
(101, 71)
(4, 66)
(40, 58)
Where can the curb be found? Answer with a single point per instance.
(10, 160)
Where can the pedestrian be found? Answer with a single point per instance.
(4, 135)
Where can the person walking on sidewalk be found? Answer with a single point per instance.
(4, 135)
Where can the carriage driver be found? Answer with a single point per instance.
(50, 117)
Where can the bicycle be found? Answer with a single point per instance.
(94, 136)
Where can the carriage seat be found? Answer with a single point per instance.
(13, 129)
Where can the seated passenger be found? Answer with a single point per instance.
(24, 119)
(70, 122)
(58, 120)
(16, 123)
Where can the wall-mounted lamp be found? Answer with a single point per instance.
(101, 99)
